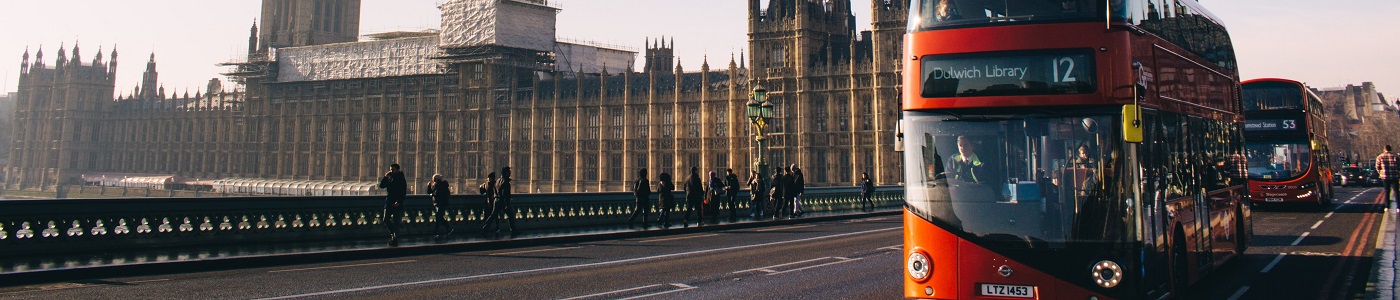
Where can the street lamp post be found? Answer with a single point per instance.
(759, 112)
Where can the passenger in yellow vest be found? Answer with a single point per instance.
(966, 164)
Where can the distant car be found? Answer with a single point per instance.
(1352, 176)
(1336, 178)
(1373, 178)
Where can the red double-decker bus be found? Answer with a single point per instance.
(1286, 143)
(1069, 149)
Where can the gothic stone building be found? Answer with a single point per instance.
(566, 117)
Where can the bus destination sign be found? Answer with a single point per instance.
(1271, 125)
(1008, 74)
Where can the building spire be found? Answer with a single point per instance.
(76, 54)
(253, 38)
(62, 55)
(112, 65)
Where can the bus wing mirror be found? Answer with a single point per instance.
(899, 136)
(1132, 123)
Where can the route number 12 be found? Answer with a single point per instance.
(1065, 63)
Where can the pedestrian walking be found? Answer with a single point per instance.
(642, 192)
(780, 185)
(731, 193)
(715, 196)
(867, 188)
(694, 196)
(501, 207)
(757, 195)
(796, 184)
(442, 193)
(1389, 169)
(488, 192)
(397, 188)
(665, 194)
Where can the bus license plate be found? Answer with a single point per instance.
(1018, 291)
(1273, 199)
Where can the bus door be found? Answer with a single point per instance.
(1156, 263)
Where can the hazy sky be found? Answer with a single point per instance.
(1337, 43)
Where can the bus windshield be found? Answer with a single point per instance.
(1018, 181)
(1278, 160)
(1272, 95)
(933, 14)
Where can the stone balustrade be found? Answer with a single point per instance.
(35, 227)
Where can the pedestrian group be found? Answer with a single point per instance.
(776, 198)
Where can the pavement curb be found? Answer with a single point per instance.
(1383, 274)
(255, 261)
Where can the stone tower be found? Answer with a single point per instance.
(887, 51)
(800, 33)
(836, 91)
(660, 56)
(294, 23)
(60, 111)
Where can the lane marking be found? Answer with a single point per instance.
(893, 247)
(840, 260)
(1358, 194)
(344, 266)
(1239, 293)
(680, 287)
(1300, 238)
(149, 281)
(1329, 214)
(536, 250)
(678, 238)
(1315, 225)
(785, 228)
(769, 269)
(578, 266)
(1273, 263)
(49, 288)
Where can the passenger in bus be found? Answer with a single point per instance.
(1084, 159)
(1069, 6)
(966, 164)
(947, 10)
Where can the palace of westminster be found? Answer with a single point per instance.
(492, 88)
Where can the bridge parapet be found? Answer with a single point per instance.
(43, 227)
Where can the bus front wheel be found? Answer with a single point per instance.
(1179, 266)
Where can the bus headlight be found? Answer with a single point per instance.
(1107, 274)
(918, 266)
